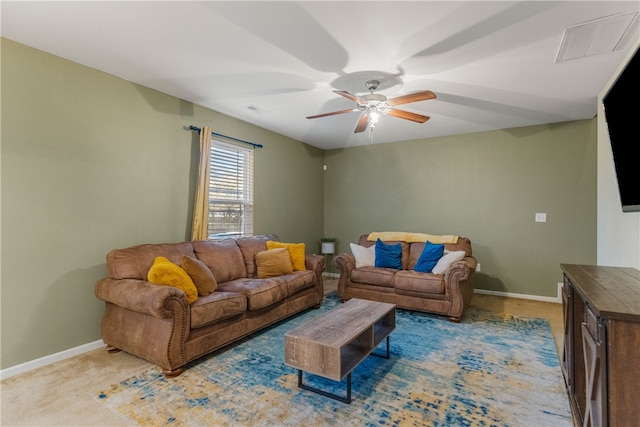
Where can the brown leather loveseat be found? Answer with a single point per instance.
(448, 293)
(158, 324)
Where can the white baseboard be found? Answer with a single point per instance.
(557, 299)
(331, 275)
(47, 360)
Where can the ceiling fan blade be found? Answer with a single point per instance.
(419, 118)
(351, 96)
(362, 124)
(333, 113)
(412, 97)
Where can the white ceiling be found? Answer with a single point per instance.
(492, 65)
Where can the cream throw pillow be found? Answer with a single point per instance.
(365, 257)
(273, 262)
(446, 260)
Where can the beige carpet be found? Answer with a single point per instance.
(61, 394)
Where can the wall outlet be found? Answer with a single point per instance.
(478, 267)
(541, 217)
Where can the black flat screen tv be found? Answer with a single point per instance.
(622, 116)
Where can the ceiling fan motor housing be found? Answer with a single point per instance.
(374, 98)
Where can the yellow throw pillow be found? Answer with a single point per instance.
(166, 273)
(296, 252)
(273, 262)
(200, 274)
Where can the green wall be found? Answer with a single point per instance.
(486, 186)
(91, 162)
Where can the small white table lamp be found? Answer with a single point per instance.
(328, 247)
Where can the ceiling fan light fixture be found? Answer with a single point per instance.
(374, 116)
(373, 105)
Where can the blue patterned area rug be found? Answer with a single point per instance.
(488, 370)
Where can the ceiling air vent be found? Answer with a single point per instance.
(595, 37)
(256, 109)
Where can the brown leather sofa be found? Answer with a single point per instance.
(447, 294)
(156, 323)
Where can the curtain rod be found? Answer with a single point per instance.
(253, 144)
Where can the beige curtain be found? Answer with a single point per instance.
(199, 231)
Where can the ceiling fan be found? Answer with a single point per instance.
(373, 105)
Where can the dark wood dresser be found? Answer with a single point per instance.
(601, 354)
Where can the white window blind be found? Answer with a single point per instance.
(230, 191)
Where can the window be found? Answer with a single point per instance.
(230, 191)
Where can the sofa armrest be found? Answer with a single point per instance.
(345, 263)
(317, 263)
(140, 296)
(459, 284)
(460, 270)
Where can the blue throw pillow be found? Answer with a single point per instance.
(429, 257)
(388, 256)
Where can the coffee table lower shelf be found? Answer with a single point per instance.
(334, 343)
(345, 399)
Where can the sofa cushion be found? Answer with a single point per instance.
(260, 293)
(388, 255)
(415, 250)
(365, 257)
(134, 262)
(250, 246)
(296, 252)
(429, 258)
(298, 280)
(166, 273)
(374, 276)
(223, 257)
(409, 282)
(200, 274)
(217, 306)
(446, 260)
(273, 262)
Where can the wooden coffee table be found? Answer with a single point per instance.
(334, 343)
